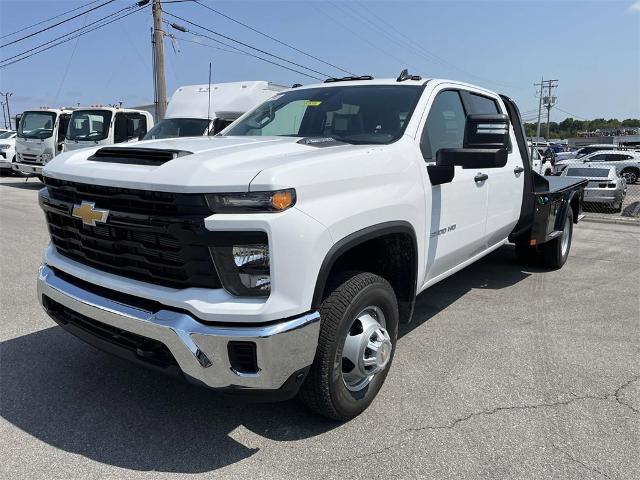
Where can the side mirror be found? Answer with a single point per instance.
(485, 145)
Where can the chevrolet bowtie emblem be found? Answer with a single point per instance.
(89, 214)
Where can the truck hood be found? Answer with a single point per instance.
(215, 164)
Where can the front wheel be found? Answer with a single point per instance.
(358, 333)
(556, 251)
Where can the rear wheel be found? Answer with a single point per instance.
(630, 174)
(358, 334)
(556, 251)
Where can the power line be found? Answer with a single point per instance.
(569, 113)
(48, 19)
(204, 44)
(56, 24)
(405, 41)
(249, 46)
(271, 37)
(71, 38)
(66, 70)
(182, 29)
(69, 33)
(401, 62)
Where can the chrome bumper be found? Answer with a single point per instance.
(28, 168)
(200, 350)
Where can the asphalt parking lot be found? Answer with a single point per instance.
(505, 372)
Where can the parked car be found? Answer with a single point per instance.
(7, 151)
(581, 152)
(281, 255)
(605, 185)
(540, 164)
(626, 162)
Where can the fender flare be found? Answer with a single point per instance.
(565, 206)
(354, 239)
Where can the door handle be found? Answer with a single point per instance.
(481, 177)
(518, 170)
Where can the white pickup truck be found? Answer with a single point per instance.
(280, 257)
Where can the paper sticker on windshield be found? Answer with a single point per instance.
(312, 103)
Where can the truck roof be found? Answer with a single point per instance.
(54, 110)
(393, 81)
(231, 98)
(111, 109)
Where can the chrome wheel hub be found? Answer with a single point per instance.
(367, 349)
(564, 245)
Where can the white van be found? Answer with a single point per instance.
(193, 112)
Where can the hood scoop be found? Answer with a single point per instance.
(137, 156)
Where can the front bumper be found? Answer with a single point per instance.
(28, 168)
(283, 350)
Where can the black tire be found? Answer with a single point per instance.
(630, 174)
(526, 254)
(324, 390)
(617, 208)
(553, 255)
(41, 178)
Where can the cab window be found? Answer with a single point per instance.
(445, 125)
(479, 103)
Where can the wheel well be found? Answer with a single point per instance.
(393, 256)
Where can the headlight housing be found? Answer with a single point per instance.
(242, 262)
(46, 157)
(4, 147)
(252, 202)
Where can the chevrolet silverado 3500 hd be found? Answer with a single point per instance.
(280, 256)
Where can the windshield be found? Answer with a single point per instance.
(371, 114)
(89, 125)
(6, 135)
(37, 124)
(178, 127)
(588, 172)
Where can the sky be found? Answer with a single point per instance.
(591, 47)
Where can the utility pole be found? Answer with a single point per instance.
(4, 117)
(6, 101)
(539, 106)
(548, 101)
(158, 56)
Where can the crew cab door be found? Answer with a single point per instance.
(504, 184)
(457, 214)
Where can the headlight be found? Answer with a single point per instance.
(5, 147)
(242, 263)
(46, 157)
(252, 202)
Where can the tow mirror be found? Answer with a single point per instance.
(485, 145)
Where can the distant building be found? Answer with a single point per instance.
(632, 140)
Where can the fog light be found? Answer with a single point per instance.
(253, 266)
(242, 262)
